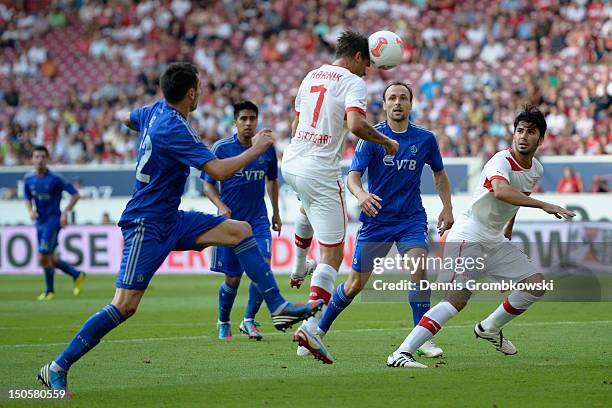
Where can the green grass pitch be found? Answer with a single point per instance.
(168, 354)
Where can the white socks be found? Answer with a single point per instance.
(322, 282)
(515, 304)
(303, 238)
(429, 325)
(55, 367)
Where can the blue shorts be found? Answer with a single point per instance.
(147, 244)
(375, 241)
(47, 235)
(225, 261)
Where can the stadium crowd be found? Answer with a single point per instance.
(68, 67)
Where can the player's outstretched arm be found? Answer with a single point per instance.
(505, 192)
(445, 219)
(125, 119)
(213, 195)
(368, 202)
(360, 127)
(222, 169)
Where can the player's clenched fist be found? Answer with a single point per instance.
(391, 147)
(263, 139)
(369, 203)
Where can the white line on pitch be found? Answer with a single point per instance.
(180, 338)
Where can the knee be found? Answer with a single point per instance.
(333, 256)
(233, 281)
(45, 261)
(240, 231)
(126, 308)
(538, 278)
(458, 299)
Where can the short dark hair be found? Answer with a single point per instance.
(40, 148)
(404, 84)
(532, 115)
(245, 105)
(177, 79)
(350, 43)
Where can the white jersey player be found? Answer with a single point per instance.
(482, 232)
(331, 101)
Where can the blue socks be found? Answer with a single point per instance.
(254, 303)
(90, 334)
(258, 270)
(49, 272)
(339, 301)
(420, 304)
(227, 294)
(67, 268)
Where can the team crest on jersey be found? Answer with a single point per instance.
(413, 149)
(260, 160)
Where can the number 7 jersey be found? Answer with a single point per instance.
(324, 98)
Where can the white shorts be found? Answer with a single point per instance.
(325, 206)
(474, 260)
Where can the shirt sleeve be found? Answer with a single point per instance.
(272, 173)
(26, 191)
(186, 148)
(206, 178)
(434, 158)
(363, 156)
(68, 187)
(65, 185)
(356, 96)
(298, 98)
(136, 118)
(497, 168)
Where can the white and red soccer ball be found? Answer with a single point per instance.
(386, 49)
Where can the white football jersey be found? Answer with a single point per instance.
(324, 97)
(484, 221)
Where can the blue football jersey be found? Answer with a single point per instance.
(397, 179)
(46, 191)
(168, 147)
(244, 192)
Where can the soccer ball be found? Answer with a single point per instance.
(386, 49)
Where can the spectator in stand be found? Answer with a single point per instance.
(474, 67)
(570, 183)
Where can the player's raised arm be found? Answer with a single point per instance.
(359, 126)
(222, 169)
(125, 119)
(505, 192)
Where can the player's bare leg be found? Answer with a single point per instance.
(514, 305)
(303, 239)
